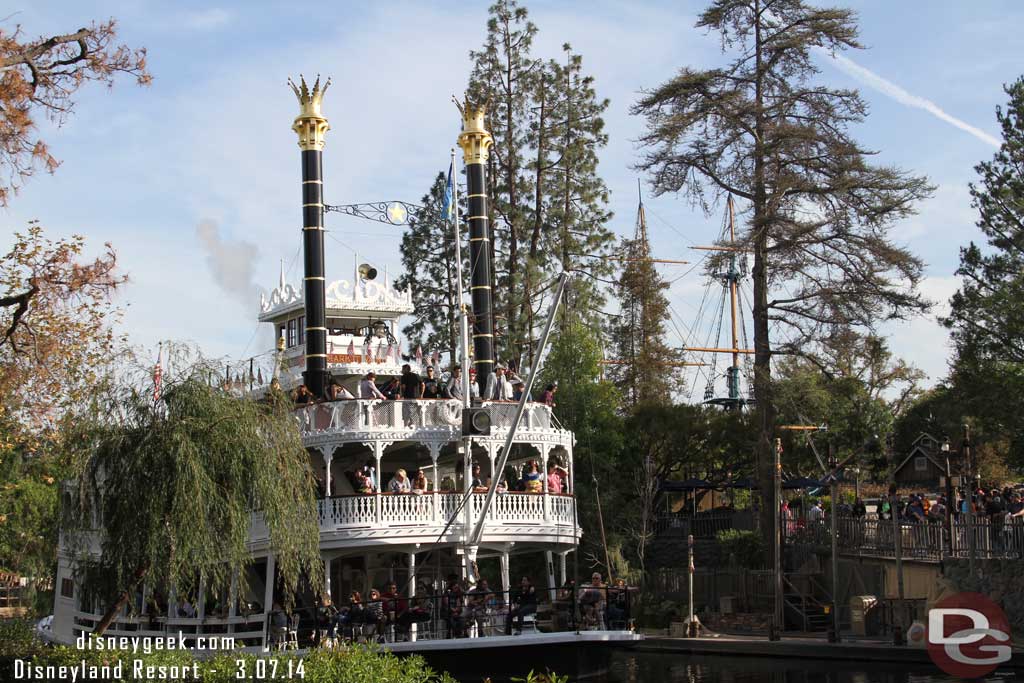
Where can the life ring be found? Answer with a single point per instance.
(451, 413)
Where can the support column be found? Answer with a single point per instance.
(570, 484)
(327, 577)
(412, 592)
(233, 597)
(435, 452)
(561, 567)
(201, 600)
(505, 585)
(543, 448)
(549, 560)
(328, 457)
(268, 593)
(378, 454)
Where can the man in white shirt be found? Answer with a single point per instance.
(368, 387)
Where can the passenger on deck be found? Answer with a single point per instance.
(477, 608)
(303, 396)
(364, 484)
(593, 599)
(454, 387)
(395, 607)
(374, 613)
(392, 390)
(452, 605)
(477, 482)
(399, 483)
(532, 478)
(518, 388)
(431, 385)
(549, 394)
(556, 477)
(350, 616)
(368, 387)
(419, 484)
(326, 619)
(523, 602)
(338, 393)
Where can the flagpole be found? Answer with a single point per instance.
(463, 323)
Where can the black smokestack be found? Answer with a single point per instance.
(476, 142)
(311, 128)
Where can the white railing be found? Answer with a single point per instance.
(416, 511)
(363, 414)
(405, 510)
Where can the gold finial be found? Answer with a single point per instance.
(474, 140)
(310, 124)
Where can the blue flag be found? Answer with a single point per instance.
(447, 209)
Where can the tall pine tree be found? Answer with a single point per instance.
(503, 76)
(428, 259)
(644, 370)
(761, 129)
(987, 313)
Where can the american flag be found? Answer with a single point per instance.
(352, 348)
(158, 373)
(419, 355)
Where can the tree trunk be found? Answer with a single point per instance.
(120, 602)
(762, 345)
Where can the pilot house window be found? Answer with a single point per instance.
(302, 329)
(293, 329)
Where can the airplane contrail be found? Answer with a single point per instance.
(887, 87)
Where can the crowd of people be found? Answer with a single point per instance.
(458, 610)
(527, 479)
(998, 512)
(504, 384)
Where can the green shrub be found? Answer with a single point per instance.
(746, 547)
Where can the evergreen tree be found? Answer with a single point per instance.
(760, 129)
(578, 211)
(503, 75)
(428, 259)
(987, 313)
(549, 206)
(644, 371)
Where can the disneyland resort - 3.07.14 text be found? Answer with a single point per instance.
(127, 666)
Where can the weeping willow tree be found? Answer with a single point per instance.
(167, 474)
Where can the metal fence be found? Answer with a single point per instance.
(873, 537)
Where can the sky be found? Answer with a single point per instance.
(195, 179)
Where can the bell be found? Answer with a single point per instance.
(367, 272)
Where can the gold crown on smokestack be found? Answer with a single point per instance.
(475, 140)
(310, 124)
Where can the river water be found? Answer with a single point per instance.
(642, 667)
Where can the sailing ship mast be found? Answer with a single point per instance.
(732, 276)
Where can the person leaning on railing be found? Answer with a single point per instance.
(368, 387)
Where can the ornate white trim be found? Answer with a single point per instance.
(358, 295)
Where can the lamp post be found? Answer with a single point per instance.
(948, 521)
(972, 544)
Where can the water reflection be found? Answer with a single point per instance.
(668, 668)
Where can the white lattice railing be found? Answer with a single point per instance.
(362, 414)
(412, 510)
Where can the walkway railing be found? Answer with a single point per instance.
(703, 525)
(870, 536)
(378, 414)
(433, 510)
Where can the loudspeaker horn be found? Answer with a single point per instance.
(367, 272)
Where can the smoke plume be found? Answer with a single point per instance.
(232, 263)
